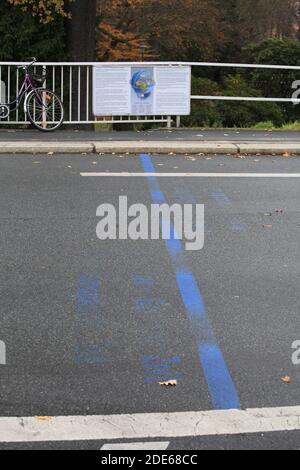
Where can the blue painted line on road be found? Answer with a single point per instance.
(220, 384)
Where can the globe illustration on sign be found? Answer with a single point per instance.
(143, 83)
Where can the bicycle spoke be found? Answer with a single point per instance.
(47, 116)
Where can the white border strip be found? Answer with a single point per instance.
(137, 446)
(145, 426)
(194, 175)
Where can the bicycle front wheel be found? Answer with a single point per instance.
(44, 110)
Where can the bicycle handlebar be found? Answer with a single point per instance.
(32, 60)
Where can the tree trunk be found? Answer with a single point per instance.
(81, 47)
(81, 30)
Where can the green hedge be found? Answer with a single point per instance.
(230, 113)
(23, 36)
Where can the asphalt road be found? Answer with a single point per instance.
(79, 339)
(152, 135)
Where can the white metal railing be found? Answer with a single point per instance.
(72, 81)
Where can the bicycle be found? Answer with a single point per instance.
(43, 107)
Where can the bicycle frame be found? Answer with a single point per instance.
(25, 89)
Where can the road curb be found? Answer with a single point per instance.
(23, 147)
(167, 147)
(170, 147)
(267, 148)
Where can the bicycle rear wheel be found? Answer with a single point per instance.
(45, 110)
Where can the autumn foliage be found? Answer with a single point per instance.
(177, 29)
(119, 34)
(44, 9)
(135, 29)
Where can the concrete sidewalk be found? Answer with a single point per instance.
(153, 141)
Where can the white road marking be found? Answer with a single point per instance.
(147, 426)
(194, 175)
(137, 446)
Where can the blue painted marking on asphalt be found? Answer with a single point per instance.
(157, 365)
(160, 369)
(237, 227)
(157, 195)
(183, 195)
(221, 199)
(224, 202)
(88, 301)
(220, 384)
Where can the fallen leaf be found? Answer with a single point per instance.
(168, 383)
(50, 153)
(267, 226)
(286, 154)
(286, 379)
(43, 418)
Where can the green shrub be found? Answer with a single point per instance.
(274, 83)
(230, 113)
(204, 113)
(246, 113)
(264, 125)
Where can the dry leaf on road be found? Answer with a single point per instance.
(168, 383)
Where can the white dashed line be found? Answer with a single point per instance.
(193, 175)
